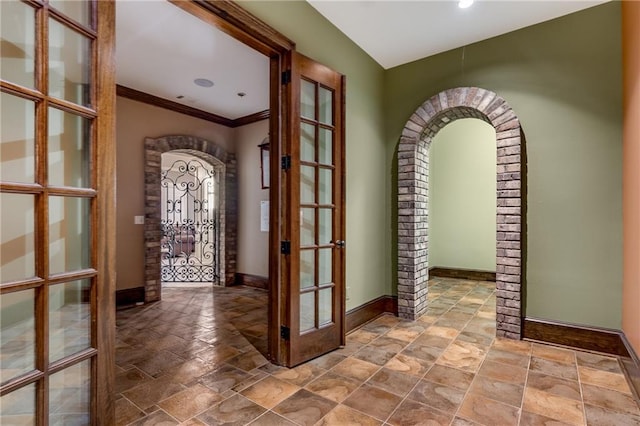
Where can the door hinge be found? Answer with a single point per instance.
(285, 247)
(286, 162)
(286, 77)
(285, 333)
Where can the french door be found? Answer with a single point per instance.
(56, 212)
(315, 216)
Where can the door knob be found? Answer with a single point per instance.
(340, 243)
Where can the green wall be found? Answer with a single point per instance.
(563, 80)
(368, 211)
(462, 196)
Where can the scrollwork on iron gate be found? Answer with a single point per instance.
(189, 243)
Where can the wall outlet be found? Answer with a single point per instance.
(138, 220)
(348, 292)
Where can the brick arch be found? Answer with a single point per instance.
(225, 164)
(413, 198)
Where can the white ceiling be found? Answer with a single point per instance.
(394, 32)
(161, 49)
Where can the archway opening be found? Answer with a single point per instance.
(413, 201)
(224, 165)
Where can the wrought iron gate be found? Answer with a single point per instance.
(189, 222)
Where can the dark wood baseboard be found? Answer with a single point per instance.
(631, 368)
(129, 296)
(577, 336)
(252, 280)
(463, 274)
(370, 310)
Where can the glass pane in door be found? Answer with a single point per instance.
(69, 149)
(19, 407)
(18, 337)
(79, 11)
(17, 237)
(325, 99)
(69, 318)
(70, 395)
(17, 144)
(325, 306)
(69, 64)
(17, 36)
(69, 234)
(307, 311)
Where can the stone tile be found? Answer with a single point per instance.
(408, 364)
(604, 379)
(557, 407)
(189, 371)
(343, 415)
(551, 353)
(462, 355)
(362, 336)
(598, 362)
(159, 362)
(404, 334)
(450, 377)
(503, 372)
(517, 346)
(375, 355)
(217, 353)
(300, 375)
(270, 391)
(423, 352)
(532, 419)
(373, 401)
(459, 421)
(156, 418)
(413, 413)
(507, 357)
(152, 392)
(471, 337)
(327, 361)
(433, 340)
(507, 393)
(487, 411)
(248, 361)
(224, 378)
(446, 332)
(127, 379)
(603, 417)
(356, 369)
(333, 386)
(271, 419)
(190, 402)
(304, 407)
(393, 381)
(126, 412)
(609, 399)
(438, 396)
(554, 385)
(554, 368)
(235, 411)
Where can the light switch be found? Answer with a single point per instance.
(138, 220)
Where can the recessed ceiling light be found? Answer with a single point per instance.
(242, 94)
(463, 4)
(203, 82)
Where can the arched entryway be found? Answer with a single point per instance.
(226, 168)
(413, 199)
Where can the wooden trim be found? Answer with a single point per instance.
(370, 310)
(251, 118)
(460, 273)
(149, 99)
(129, 296)
(631, 368)
(576, 336)
(252, 280)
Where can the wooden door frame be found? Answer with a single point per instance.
(235, 21)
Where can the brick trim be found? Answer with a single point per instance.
(413, 198)
(225, 164)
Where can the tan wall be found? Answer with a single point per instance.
(135, 122)
(253, 245)
(631, 172)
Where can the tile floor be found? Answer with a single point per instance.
(195, 359)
